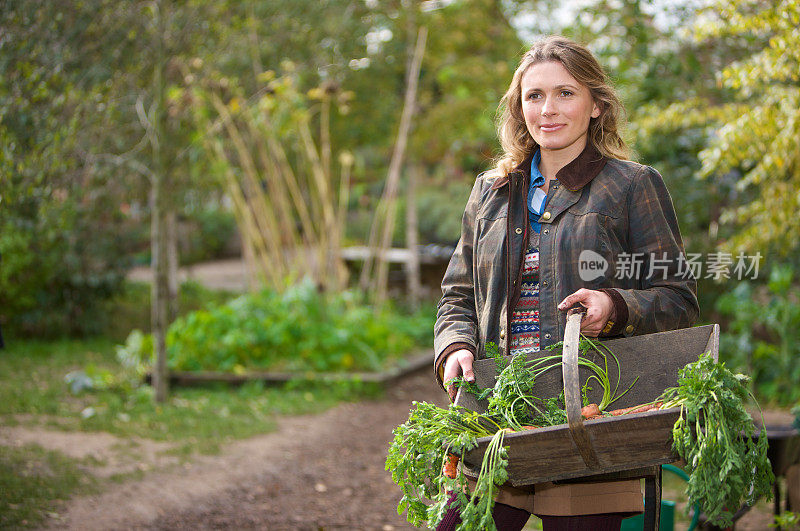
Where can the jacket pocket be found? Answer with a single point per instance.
(590, 244)
(493, 206)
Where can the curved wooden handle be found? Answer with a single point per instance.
(572, 389)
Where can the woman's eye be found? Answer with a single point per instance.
(566, 93)
(534, 96)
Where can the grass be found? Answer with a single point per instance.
(34, 392)
(32, 388)
(198, 420)
(33, 481)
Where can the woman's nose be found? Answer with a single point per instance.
(548, 107)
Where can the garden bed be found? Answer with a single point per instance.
(416, 363)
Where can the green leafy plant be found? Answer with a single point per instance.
(421, 445)
(299, 330)
(135, 358)
(787, 520)
(763, 336)
(715, 436)
(417, 454)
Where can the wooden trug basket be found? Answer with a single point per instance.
(604, 446)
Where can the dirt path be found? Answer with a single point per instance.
(229, 274)
(323, 471)
(315, 472)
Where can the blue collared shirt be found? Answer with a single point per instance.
(536, 198)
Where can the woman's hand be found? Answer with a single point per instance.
(599, 309)
(458, 362)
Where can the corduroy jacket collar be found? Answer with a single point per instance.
(574, 176)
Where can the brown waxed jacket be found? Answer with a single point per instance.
(619, 210)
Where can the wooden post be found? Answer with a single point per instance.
(652, 500)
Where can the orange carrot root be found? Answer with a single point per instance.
(451, 466)
(592, 410)
(617, 412)
(636, 409)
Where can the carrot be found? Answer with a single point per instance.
(635, 409)
(530, 427)
(451, 466)
(646, 407)
(592, 410)
(617, 412)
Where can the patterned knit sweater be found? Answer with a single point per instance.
(525, 318)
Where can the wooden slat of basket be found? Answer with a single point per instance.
(621, 443)
(654, 358)
(572, 390)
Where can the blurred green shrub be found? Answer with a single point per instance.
(440, 211)
(60, 260)
(786, 520)
(209, 237)
(440, 206)
(130, 307)
(204, 234)
(763, 337)
(299, 330)
(134, 358)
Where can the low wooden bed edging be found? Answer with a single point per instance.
(414, 364)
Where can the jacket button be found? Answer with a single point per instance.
(544, 282)
(518, 230)
(547, 336)
(547, 231)
(546, 216)
(629, 329)
(502, 334)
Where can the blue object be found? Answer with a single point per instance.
(536, 198)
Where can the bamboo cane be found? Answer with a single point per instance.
(346, 164)
(324, 196)
(381, 284)
(277, 193)
(260, 204)
(268, 274)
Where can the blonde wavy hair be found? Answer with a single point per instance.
(515, 139)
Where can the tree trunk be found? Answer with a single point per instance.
(172, 265)
(412, 266)
(160, 293)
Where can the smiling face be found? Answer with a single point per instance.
(557, 108)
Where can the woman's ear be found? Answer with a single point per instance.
(595, 109)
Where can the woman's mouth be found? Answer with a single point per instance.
(549, 128)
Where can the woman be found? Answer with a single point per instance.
(563, 219)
